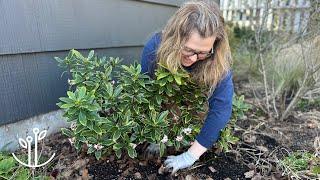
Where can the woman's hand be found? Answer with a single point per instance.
(185, 159)
(181, 161)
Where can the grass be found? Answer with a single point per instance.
(300, 165)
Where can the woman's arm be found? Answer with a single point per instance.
(197, 149)
(220, 109)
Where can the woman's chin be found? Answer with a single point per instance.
(187, 64)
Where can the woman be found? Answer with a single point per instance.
(195, 40)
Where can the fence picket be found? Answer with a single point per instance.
(283, 15)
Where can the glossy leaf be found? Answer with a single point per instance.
(82, 118)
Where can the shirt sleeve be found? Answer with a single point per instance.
(148, 56)
(220, 109)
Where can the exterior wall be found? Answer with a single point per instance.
(33, 32)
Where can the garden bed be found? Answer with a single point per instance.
(70, 164)
(269, 138)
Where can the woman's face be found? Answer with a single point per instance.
(196, 49)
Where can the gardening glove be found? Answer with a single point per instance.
(153, 150)
(181, 161)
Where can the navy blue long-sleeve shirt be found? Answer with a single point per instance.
(220, 102)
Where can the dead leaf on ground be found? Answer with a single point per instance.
(137, 175)
(143, 163)
(111, 158)
(249, 174)
(249, 138)
(213, 170)
(263, 148)
(152, 176)
(122, 166)
(80, 163)
(125, 173)
(312, 124)
(161, 170)
(190, 177)
(85, 174)
(257, 177)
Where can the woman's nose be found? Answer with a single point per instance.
(194, 57)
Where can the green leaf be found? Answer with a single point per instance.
(92, 140)
(98, 154)
(82, 139)
(178, 79)
(139, 69)
(71, 95)
(162, 83)
(109, 88)
(162, 149)
(142, 83)
(108, 142)
(90, 149)
(89, 83)
(93, 107)
(132, 152)
(66, 100)
(58, 59)
(158, 99)
(117, 91)
(98, 130)
(77, 54)
(162, 75)
(163, 115)
(81, 92)
(170, 78)
(91, 54)
(67, 132)
(117, 146)
(108, 71)
(66, 106)
(118, 153)
(79, 129)
(82, 118)
(116, 135)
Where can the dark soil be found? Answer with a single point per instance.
(226, 167)
(210, 166)
(68, 164)
(295, 133)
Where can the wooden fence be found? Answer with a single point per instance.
(286, 15)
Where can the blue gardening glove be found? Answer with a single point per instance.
(181, 161)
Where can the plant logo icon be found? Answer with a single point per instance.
(26, 144)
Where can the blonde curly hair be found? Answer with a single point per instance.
(205, 18)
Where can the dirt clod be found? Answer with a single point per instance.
(137, 175)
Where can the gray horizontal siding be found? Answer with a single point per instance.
(31, 83)
(36, 26)
(33, 32)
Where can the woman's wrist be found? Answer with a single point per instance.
(197, 149)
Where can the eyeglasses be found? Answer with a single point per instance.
(202, 55)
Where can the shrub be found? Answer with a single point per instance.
(109, 115)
